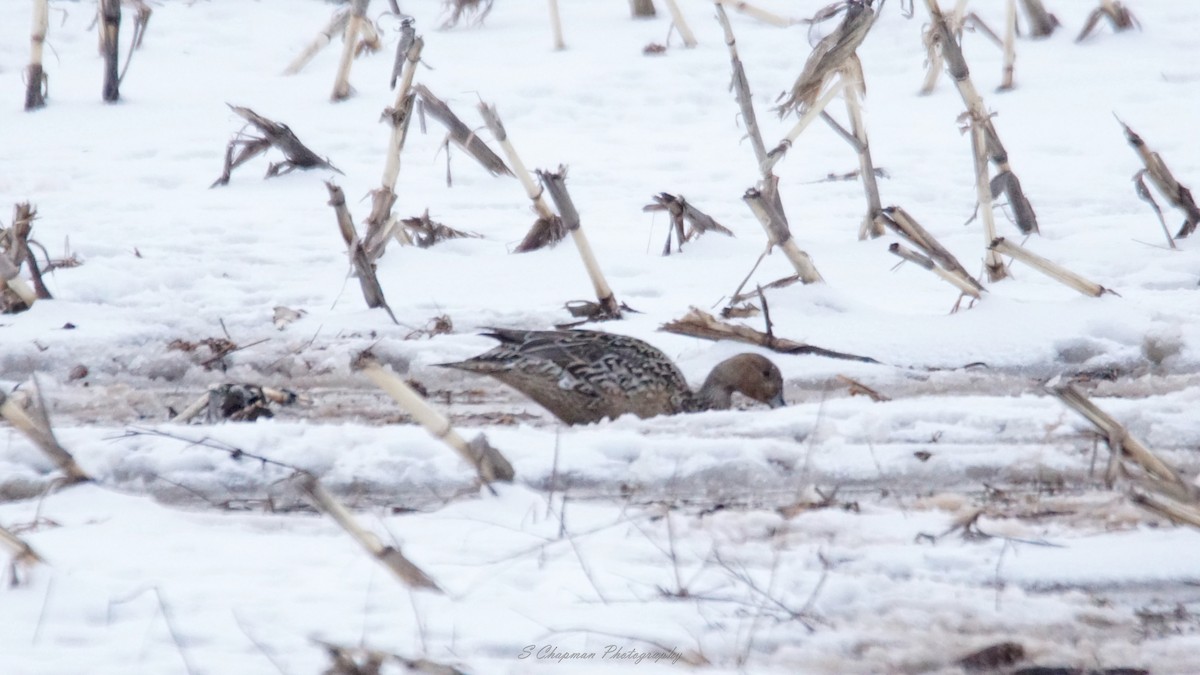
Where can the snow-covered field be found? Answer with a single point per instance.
(805, 539)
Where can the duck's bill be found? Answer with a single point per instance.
(778, 401)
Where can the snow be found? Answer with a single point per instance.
(816, 538)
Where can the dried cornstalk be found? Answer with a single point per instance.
(489, 464)
(364, 266)
(741, 89)
(964, 286)
(337, 24)
(280, 136)
(1041, 22)
(1124, 444)
(548, 229)
(983, 193)
(141, 21)
(1117, 14)
(27, 412)
(828, 58)
(14, 243)
(425, 232)
(460, 133)
(1010, 44)
(811, 113)
(1179, 196)
(701, 324)
(354, 25)
(362, 661)
(556, 26)
(681, 25)
(906, 226)
(856, 86)
(555, 183)
(1183, 513)
(380, 223)
(388, 556)
(756, 12)
(476, 9)
(1050, 269)
(23, 553)
(774, 222)
(951, 51)
(681, 211)
(110, 27)
(35, 77)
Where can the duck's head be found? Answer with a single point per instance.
(750, 374)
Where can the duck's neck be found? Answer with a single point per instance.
(716, 393)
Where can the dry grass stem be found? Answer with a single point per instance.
(756, 12)
(1119, 17)
(460, 133)
(489, 464)
(774, 222)
(828, 58)
(701, 324)
(555, 183)
(1179, 196)
(273, 134)
(548, 229)
(35, 76)
(1041, 22)
(389, 556)
(681, 24)
(337, 24)
(26, 411)
(1050, 269)
(354, 26)
(360, 259)
(110, 27)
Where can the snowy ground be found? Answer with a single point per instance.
(789, 540)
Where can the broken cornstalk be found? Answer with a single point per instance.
(983, 195)
(273, 134)
(337, 24)
(933, 255)
(700, 324)
(855, 87)
(642, 9)
(388, 556)
(110, 27)
(548, 229)
(381, 224)
(1010, 44)
(680, 212)
(14, 242)
(1119, 17)
(681, 25)
(1179, 196)
(363, 264)
(27, 412)
(757, 12)
(1041, 22)
(460, 133)
(556, 26)
(354, 26)
(775, 224)
(35, 77)
(555, 183)
(22, 552)
(1050, 269)
(487, 461)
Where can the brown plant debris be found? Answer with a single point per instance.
(1000, 655)
(438, 325)
(1179, 196)
(1119, 17)
(363, 661)
(698, 323)
(859, 389)
(460, 133)
(681, 211)
(829, 56)
(15, 294)
(426, 232)
(272, 134)
(1041, 22)
(475, 11)
(555, 183)
(360, 260)
(237, 403)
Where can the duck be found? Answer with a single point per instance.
(584, 376)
